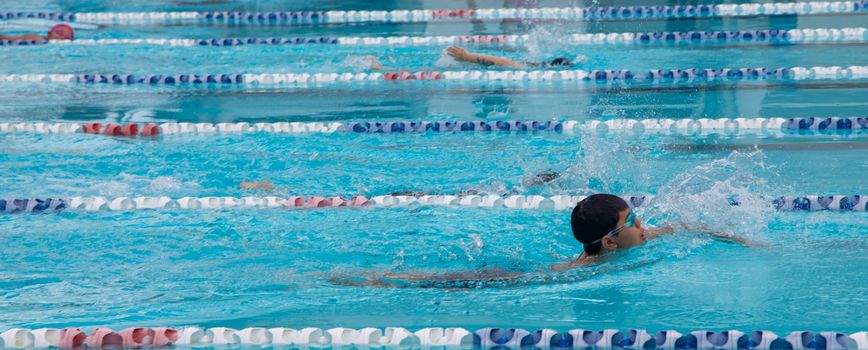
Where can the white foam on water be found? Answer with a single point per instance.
(163, 184)
(605, 165)
(700, 197)
(357, 63)
(446, 61)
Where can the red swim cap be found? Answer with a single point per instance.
(61, 32)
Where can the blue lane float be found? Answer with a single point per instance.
(844, 203)
(31, 205)
(427, 15)
(426, 338)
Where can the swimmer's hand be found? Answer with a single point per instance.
(375, 63)
(253, 185)
(459, 53)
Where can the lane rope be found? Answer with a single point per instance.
(685, 126)
(792, 36)
(427, 15)
(601, 76)
(520, 202)
(402, 338)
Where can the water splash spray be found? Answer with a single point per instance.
(728, 195)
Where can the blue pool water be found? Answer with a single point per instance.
(272, 267)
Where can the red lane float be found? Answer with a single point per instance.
(165, 336)
(113, 130)
(75, 338)
(128, 129)
(412, 76)
(483, 39)
(151, 130)
(92, 128)
(452, 13)
(104, 338)
(325, 202)
(137, 337)
(71, 338)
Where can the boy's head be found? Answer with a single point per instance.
(605, 222)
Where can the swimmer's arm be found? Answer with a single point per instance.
(724, 237)
(461, 54)
(653, 232)
(21, 37)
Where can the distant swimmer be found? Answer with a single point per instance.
(461, 54)
(58, 32)
(495, 188)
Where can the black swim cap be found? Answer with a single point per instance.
(594, 217)
(560, 61)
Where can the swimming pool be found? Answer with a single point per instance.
(707, 124)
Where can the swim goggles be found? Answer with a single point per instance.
(629, 222)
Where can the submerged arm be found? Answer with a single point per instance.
(720, 236)
(451, 280)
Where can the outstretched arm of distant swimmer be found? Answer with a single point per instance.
(22, 37)
(375, 64)
(461, 54)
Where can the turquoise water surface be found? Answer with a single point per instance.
(272, 267)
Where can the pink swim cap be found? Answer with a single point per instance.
(61, 32)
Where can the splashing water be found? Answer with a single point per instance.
(161, 184)
(473, 248)
(605, 166)
(546, 42)
(446, 61)
(356, 63)
(542, 41)
(726, 195)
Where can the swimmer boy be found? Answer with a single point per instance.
(602, 223)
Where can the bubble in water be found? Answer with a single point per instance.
(473, 248)
(399, 260)
(110, 188)
(168, 183)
